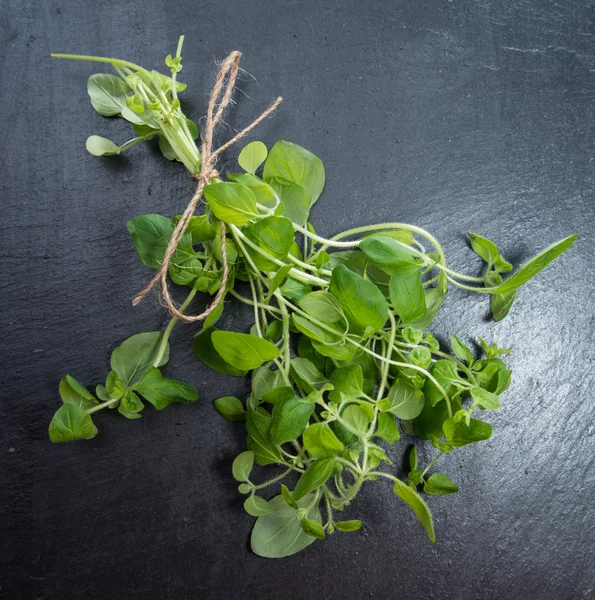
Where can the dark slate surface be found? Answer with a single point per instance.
(454, 115)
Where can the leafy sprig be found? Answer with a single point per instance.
(340, 354)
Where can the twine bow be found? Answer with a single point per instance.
(217, 105)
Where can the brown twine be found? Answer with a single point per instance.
(216, 108)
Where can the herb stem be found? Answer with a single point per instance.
(174, 93)
(374, 354)
(170, 326)
(101, 59)
(431, 464)
(275, 479)
(303, 277)
(102, 406)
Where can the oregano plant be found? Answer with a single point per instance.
(341, 356)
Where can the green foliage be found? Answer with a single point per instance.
(70, 423)
(339, 352)
(292, 163)
(278, 533)
(230, 408)
(252, 156)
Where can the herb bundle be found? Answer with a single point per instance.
(340, 353)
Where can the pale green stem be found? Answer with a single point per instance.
(170, 326)
(431, 464)
(274, 480)
(303, 277)
(255, 304)
(487, 290)
(175, 73)
(102, 406)
(385, 366)
(375, 355)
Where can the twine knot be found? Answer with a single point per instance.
(218, 102)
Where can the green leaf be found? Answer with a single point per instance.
(71, 422)
(460, 434)
(205, 351)
(102, 393)
(394, 258)
(230, 408)
(199, 227)
(312, 528)
(252, 156)
(460, 349)
(322, 306)
(500, 304)
(485, 399)
(314, 476)
(244, 488)
(135, 103)
(348, 381)
(306, 350)
(114, 385)
(275, 236)
(319, 440)
(242, 466)
(72, 392)
(485, 248)
(280, 276)
(257, 506)
(288, 497)
(150, 236)
(404, 236)
(214, 316)
(434, 300)
(439, 485)
(145, 131)
(100, 146)
(414, 477)
(445, 373)
(290, 418)
(347, 526)
(357, 418)
(278, 533)
(387, 428)
(419, 507)
(134, 357)
(243, 351)
(233, 203)
(164, 82)
(407, 296)
(316, 332)
(420, 356)
(274, 331)
(130, 405)
(297, 165)
(294, 290)
(404, 400)
(263, 192)
(535, 265)
(166, 148)
(431, 419)
(294, 198)
(363, 303)
(258, 424)
(161, 391)
(265, 380)
(306, 375)
(413, 458)
(280, 394)
(107, 93)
